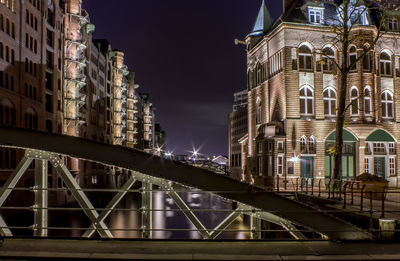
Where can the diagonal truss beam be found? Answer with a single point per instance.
(111, 205)
(9, 186)
(79, 195)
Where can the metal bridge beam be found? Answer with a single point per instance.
(41, 198)
(8, 188)
(130, 159)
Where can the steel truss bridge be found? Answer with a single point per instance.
(259, 204)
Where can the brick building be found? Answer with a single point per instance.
(54, 77)
(292, 102)
(237, 127)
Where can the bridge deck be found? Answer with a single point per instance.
(54, 249)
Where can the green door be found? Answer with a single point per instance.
(307, 167)
(379, 166)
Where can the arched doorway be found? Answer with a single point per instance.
(380, 154)
(348, 168)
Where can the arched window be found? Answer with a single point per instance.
(7, 113)
(330, 102)
(259, 74)
(31, 119)
(328, 56)
(354, 101)
(353, 58)
(303, 144)
(386, 64)
(305, 58)
(367, 101)
(367, 59)
(306, 101)
(387, 105)
(311, 145)
(50, 12)
(259, 113)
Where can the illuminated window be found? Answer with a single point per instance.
(306, 101)
(305, 58)
(315, 15)
(330, 102)
(328, 56)
(354, 101)
(387, 105)
(367, 102)
(392, 167)
(386, 64)
(379, 147)
(367, 168)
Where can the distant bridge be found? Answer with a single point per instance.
(258, 203)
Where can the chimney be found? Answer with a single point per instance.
(287, 4)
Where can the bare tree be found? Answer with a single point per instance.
(352, 26)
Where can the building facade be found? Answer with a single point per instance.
(292, 97)
(54, 77)
(237, 128)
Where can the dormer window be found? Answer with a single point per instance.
(393, 24)
(315, 15)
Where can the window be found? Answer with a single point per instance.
(387, 105)
(259, 159)
(12, 56)
(306, 101)
(311, 145)
(330, 102)
(367, 60)
(259, 147)
(353, 58)
(31, 119)
(303, 144)
(367, 148)
(94, 179)
(280, 165)
(259, 114)
(367, 102)
(385, 64)
(379, 147)
(393, 24)
(354, 101)
(392, 167)
(1, 51)
(367, 169)
(1, 22)
(315, 15)
(280, 146)
(305, 58)
(328, 56)
(392, 148)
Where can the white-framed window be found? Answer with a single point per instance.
(367, 101)
(392, 167)
(387, 105)
(353, 58)
(379, 147)
(328, 56)
(94, 179)
(259, 158)
(305, 58)
(367, 168)
(306, 101)
(315, 15)
(259, 147)
(330, 102)
(354, 101)
(393, 24)
(311, 145)
(280, 164)
(303, 144)
(385, 61)
(392, 148)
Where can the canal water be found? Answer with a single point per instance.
(125, 221)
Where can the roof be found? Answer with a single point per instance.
(263, 22)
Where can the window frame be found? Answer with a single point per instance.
(385, 66)
(385, 105)
(352, 98)
(306, 98)
(313, 12)
(329, 100)
(369, 99)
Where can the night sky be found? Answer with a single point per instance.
(183, 54)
